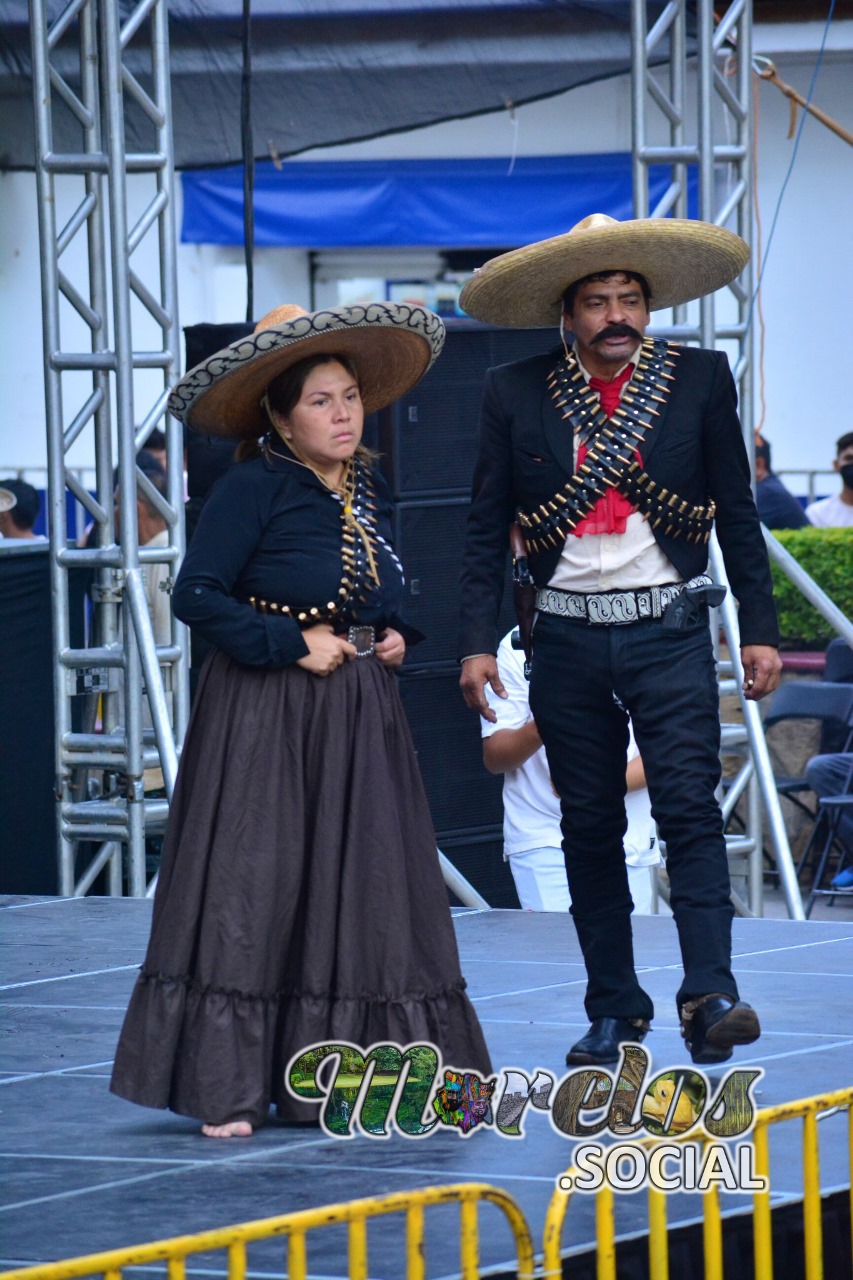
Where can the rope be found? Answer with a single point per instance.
(795, 150)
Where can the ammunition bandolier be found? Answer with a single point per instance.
(611, 461)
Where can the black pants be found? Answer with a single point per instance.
(666, 681)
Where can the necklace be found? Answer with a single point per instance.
(359, 533)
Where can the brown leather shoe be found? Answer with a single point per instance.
(713, 1024)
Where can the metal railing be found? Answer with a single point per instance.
(756, 773)
(294, 1227)
(809, 1110)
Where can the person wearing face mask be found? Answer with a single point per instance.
(300, 899)
(836, 511)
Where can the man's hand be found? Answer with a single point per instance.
(476, 672)
(762, 667)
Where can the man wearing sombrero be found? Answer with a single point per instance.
(616, 456)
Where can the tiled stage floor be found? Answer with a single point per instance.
(86, 1171)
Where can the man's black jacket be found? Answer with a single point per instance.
(695, 449)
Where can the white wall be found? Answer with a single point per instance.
(807, 284)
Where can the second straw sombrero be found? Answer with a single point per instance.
(391, 344)
(681, 260)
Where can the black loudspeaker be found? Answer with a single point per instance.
(429, 443)
(465, 799)
(27, 719)
(429, 537)
(208, 457)
(428, 438)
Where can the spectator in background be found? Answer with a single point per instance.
(7, 502)
(532, 835)
(156, 446)
(836, 511)
(832, 775)
(17, 521)
(777, 507)
(150, 465)
(152, 531)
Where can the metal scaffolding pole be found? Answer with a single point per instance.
(83, 58)
(714, 133)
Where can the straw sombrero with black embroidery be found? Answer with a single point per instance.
(681, 259)
(391, 345)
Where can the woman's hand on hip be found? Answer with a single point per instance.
(391, 649)
(326, 651)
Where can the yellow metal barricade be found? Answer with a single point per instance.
(808, 1109)
(469, 1196)
(295, 1226)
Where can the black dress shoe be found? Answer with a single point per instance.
(712, 1025)
(601, 1043)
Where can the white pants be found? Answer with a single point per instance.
(541, 885)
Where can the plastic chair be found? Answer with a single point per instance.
(828, 702)
(830, 810)
(839, 662)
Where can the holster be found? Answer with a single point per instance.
(523, 593)
(686, 609)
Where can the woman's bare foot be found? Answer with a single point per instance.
(233, 1129)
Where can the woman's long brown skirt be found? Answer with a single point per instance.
(300, 899)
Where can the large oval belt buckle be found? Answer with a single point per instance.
(364, 640)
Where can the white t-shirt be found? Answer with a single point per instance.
(830, 513)
(531, 809)
(159, 602)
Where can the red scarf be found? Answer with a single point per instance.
(611, 511)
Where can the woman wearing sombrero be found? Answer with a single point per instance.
(300, 898)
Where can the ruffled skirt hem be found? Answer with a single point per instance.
(224, 1055)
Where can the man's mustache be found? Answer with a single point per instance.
(618, 331)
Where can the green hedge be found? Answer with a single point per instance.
(827, 556)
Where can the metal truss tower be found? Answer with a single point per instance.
(703, 118)
(99, 333)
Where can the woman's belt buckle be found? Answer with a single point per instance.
(364, 639)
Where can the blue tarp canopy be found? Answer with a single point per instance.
(482, 203)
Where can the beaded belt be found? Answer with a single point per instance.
(363, 637)
(613, 608)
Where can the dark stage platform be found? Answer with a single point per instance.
(86, 1171)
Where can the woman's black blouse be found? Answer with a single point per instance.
(270, 529)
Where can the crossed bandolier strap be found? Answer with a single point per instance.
(610, 462)
(359, 540)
